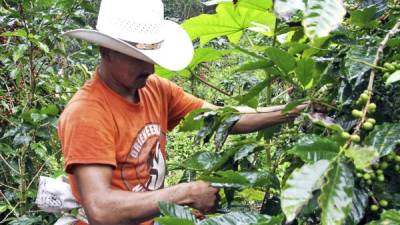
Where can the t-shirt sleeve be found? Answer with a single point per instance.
(86, 135)
(180, 103)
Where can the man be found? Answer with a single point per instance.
(113, 131)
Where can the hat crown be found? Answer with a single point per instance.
(138, 21)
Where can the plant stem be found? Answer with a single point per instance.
(208, 84)
(378, 56)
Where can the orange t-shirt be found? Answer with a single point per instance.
(98, 126)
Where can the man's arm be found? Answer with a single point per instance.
(104, 205)
(253, 120)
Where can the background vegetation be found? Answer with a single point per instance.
(338, 163)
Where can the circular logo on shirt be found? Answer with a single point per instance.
(144, 168)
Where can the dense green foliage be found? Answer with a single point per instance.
(338, 163)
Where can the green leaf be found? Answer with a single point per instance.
(50, 110)
(354, 59)
(261, 64)
(19, 53)
(26, 220)
(168, 220)
(17, 33)
(201, 161)
(3, 208)
(43, 47)
(223, 131)
(282, 59)
(389, 217)
(325, 121)
(299, 187)
(312, 148)
(244, 151)
(290, 106)
(235, 179)
(173, 210)
(394, 77)
(229, 21)
(253, 93)
(322, 16)
(364, 17)
(384, 138)
(363, 157)
(236, 218)
(192, 122)
(305, 72)
(357, 210)
(336, 194)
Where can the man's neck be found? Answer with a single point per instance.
(131, 95)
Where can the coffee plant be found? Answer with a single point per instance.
(338, 163)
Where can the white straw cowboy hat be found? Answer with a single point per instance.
(137, 28)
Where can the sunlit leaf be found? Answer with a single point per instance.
(390, 217)
(299, 188)
(229, 21)
(394, 77)
(384, 138)
(363, 157)
(336, 194)
(322, 16)
(282, 59)
(312, 148)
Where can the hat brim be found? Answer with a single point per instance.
(175, 53)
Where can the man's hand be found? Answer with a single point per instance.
(202, 196)
(105, 205)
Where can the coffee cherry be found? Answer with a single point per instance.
(359, 175)
(386, 76)
(397, 158)
(368, 126)
(389, 66)
(369, 182)
(381, 178)
(366, 176)
(355, 138)
(364, 97)
(371, 107)
(356, 113)
(384, 165)
(379, 172)
(371, 120)
(374, 208)
(391, 156)
(383, 203)
(345, 135)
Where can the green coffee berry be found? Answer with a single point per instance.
(383, 203)
(364, 97)
(368, 126)
(371, 120)
(374, 208)
(371, 107)
(356, 113)
(355, 138)
(345, 135)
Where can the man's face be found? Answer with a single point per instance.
(127, 71)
